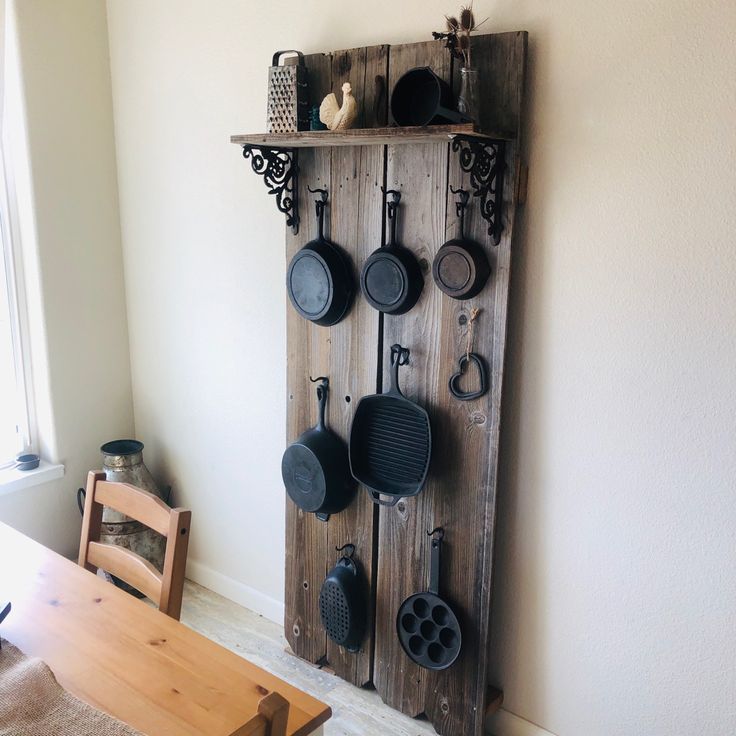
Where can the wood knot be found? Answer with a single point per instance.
(261, 690)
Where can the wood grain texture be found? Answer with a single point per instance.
(356, 212)
(461, 491)
(380, 136)
(130, 660)
(419, 172)
(308, 350)
(127, 565)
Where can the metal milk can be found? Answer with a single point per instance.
(123, 463)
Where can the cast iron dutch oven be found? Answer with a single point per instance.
(390, 441)
(460, 268)
(315, 468)
(343, 602)
(319, 280)
(420, 97)
(391, 279)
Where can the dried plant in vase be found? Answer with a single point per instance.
(457, 40)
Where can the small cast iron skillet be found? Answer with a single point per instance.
(391, 279)
(315, 468)
(427, 627)
(460, 269)
(319, 280)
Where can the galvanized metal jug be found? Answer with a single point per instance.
(123, 463)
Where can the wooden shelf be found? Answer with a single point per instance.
(366, 136)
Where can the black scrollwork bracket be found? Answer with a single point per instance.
(483, 159)
(279, 168)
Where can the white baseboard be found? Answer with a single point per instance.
(505, 723)
(236, 591)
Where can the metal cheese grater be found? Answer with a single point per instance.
(288, 103)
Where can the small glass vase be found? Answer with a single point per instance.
(468, 99)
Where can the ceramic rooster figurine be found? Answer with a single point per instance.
(339, 118)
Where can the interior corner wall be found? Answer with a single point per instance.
(63, 155)
(615, 581)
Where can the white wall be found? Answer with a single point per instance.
(615, 578)
(63, 157)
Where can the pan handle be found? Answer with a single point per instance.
(376, 498)
(399, 356)
(434, 570)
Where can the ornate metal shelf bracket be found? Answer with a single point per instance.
(279, 168)
(484, 160)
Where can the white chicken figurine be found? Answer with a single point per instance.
(339, 118)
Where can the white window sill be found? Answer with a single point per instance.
(12, 480)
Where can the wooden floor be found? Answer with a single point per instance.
(356, 712)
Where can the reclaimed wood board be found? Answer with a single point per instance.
(344, 352)
(460, 494)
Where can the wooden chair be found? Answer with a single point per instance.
(164, 589)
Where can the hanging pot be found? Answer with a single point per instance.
(460, 269)
(315, 468)
(391, 279)
(428, 629)
(320, 280)
(390, 441)
(420, 97)
(343, 602)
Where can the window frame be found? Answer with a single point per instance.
(12, 261)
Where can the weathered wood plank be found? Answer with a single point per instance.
(378, 136)
(357, 175)
(308, 352)
(419, 172)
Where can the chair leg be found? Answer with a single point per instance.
(275, 709)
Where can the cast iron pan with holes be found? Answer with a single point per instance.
(391, 279)
(428, 629)
(315, 468)
(390, 440)
(343, 602)
(460, 268)
(320, 280)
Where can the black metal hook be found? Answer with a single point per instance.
(401, 353)
(439, 531)
(345, 546)
(319, 203)
(325, 380)
(461, 203)
(392, 203)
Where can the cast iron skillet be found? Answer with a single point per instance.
(343, 602)
(428, 629)
(460, 268)
(319, 280)
(391, 279)
(315, 468)
(390, 441)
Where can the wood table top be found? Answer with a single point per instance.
(130, 660)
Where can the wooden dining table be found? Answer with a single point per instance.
(127, 659)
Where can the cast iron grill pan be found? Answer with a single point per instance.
(390, 440)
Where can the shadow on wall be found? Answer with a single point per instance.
(519, 639)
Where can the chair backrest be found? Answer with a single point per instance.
(165, 588)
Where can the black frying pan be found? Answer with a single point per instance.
(319, 280)
(428, 629)
(391, 279)
(315, 468)
(460, 268)
(390, 440)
